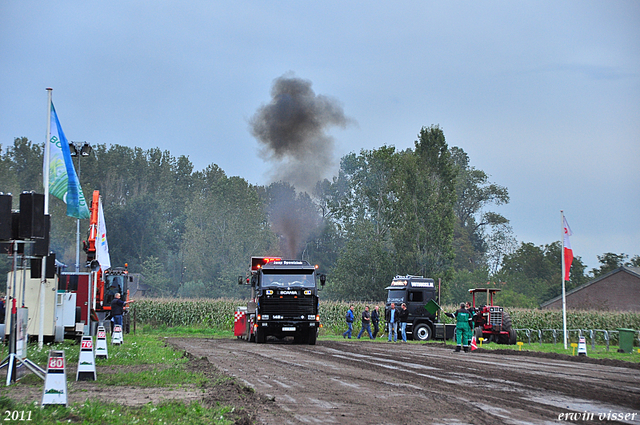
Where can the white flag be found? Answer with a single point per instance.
(102, 248)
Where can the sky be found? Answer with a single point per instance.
(544, 96)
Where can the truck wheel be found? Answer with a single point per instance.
(260, 337)
(422, 332)
(513, 337)
(313, 335)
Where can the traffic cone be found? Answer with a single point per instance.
(474, 346)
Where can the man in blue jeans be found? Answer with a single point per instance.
(403, 316)
(392, 316)
(117, 309)
(349, 317)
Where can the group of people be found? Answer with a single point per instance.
(368, 319)
(393, 316)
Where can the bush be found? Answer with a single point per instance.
(218, 313)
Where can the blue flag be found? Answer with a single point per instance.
(63, 181)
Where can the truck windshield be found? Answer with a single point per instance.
(396, 296)
(287, 280)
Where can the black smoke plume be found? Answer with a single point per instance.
(292, 131)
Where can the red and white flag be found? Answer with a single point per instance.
(568, 252)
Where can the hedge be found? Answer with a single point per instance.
(218, 313)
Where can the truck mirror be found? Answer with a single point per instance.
(323, 279)
(240, 280)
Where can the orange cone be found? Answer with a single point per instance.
(473, 344)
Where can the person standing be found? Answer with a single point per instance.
(366, 323)
(349, 318)
(391, 317)
(117, 309)
(2, 312)
(463, 329)
(403, 318)
(375, 321)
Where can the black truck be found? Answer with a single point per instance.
(284, 300)
(419, 294)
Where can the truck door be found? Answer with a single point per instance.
(415, 303)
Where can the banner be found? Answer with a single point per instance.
(102, 248)
(567, 251)
(63, 181)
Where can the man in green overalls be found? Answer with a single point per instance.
(463, 329)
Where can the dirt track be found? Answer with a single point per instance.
(364, 382)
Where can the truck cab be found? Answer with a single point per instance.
(417, 293)
(284, 300)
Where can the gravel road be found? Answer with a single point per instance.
(366, 382)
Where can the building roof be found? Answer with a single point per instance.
(634, 271)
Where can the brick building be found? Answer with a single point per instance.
(616, 290)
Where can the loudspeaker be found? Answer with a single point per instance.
(31, 215)
(41, 246)
(7, 247)
(36, 267)
(5, 217)
(94, 265)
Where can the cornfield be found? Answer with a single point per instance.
(218, 313)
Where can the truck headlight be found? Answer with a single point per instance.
(311, 317)
(265, 317)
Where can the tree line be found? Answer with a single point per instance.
(420, 211)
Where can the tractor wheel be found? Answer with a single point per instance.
(506, 321)
(422, 332)
(513, 337)
(477, 332)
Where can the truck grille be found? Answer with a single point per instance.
(287, 307)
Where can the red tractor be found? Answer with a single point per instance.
(491, 322)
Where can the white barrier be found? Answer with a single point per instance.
(55, 382)
(87, 360)
(102, 352)
(116, 336)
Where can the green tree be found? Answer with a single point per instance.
(424, 218)
(364, 267)
(156, 276)
(225, 225)
(610, 261)
(475, 247)
(533, 274)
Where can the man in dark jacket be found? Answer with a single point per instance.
(392, 317)
(366, 323)
(404, 317)
(117, 309)
(375, 321)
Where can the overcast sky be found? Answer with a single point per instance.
(544, 96)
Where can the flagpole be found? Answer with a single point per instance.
(45, 183)
(564, 295)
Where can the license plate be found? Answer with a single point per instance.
(288, 328)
